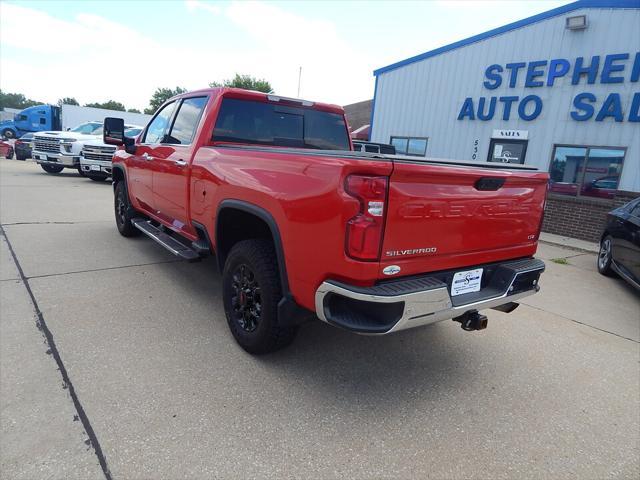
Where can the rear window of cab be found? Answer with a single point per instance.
(259, 123)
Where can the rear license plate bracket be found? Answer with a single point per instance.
(466, 281)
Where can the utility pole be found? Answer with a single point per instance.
(299, 77)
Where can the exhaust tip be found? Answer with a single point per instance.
(507, 307)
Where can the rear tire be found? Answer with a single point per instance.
(52, 168)
(251, 291)
(605, 257)
(124, 211)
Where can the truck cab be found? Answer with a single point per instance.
(38, 118)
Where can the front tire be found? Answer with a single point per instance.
(98, 178)
(605, 256)
(124, 211)
(251, 291)
(52, 168)
(8, 133)
(82, 174)
(10, 154)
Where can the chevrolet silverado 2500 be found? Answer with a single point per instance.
(55, 151)
(95, 156)
(301, 224)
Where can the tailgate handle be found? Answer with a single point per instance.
(489, 183)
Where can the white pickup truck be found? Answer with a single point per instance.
(95, 157)
(54, 151)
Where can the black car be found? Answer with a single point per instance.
(620, 244)
(23, 145)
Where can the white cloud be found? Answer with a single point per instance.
(193, 5)
(332, 70)
(88, 59)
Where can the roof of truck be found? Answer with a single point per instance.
(264, 97)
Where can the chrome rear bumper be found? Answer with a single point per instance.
(400, 304)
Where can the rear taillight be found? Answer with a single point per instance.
(544, 209)
(365, 230)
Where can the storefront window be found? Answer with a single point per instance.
(586, 171)
(410, 146)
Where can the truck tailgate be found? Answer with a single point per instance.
(443, 217)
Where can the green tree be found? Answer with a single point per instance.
(16, 100)
(247, 82)
(68, 101)
(133, 110)
(109, 105)
(160, 96)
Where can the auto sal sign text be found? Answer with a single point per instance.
(610, 69)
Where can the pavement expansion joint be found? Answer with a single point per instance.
(101, 269)
(53, 350)
(580, 323)
(53, 223)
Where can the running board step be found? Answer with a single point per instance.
(167, 241)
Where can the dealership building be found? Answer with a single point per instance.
(559, 91)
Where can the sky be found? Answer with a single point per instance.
(124, 50)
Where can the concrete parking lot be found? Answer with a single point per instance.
(116, 362)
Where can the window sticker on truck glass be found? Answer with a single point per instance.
(466, 282)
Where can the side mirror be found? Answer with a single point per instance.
(113, 132)
(68, 129)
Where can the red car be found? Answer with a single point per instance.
(6, 149)
(302, 226)
(604, 187)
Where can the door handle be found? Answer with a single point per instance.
(180, 163)
(147, 157)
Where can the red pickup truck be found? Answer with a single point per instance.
(303, 226)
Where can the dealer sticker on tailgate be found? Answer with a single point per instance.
(466, 282)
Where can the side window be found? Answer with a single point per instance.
(186, 120)
(157, 127)
(413, 146)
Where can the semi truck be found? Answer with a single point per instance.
(45, 118)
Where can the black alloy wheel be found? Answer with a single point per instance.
(251, 291)
(246, 300)
(605, 257)
(124, 212)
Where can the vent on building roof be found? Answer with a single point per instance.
(579, 22)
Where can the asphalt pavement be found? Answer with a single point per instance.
(116, 362)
